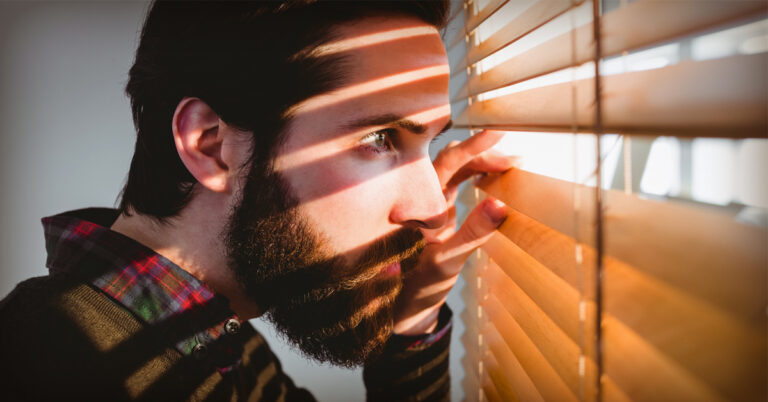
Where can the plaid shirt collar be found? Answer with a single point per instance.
(197, 321)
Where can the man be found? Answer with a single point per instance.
(281, 169)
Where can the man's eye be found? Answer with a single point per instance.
(378, 141)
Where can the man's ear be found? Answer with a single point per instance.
(198, 136)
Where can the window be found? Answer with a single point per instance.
(634, 262)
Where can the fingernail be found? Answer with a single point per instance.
(515, 161)
(495, 210)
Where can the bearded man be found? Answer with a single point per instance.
(280, 169)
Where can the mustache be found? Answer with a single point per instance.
(403, 245)
(398, 246)
(349, 320)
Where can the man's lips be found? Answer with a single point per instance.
(391, 269)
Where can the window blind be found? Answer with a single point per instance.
(592, 293)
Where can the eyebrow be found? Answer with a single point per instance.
(395, 121)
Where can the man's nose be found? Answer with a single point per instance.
(421, 203)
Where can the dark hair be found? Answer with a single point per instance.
(249, 61)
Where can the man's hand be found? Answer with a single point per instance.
(426, 289)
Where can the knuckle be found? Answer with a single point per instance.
(472, 232)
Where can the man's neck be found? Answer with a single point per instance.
(193, 241)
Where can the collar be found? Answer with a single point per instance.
(197, 321)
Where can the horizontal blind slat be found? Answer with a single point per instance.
(515, 374)
(645, 374)
(552, 249)
(490, 392)
(612, 392)
(497, 375)
(625, 29)
(475, 20)
(546, 379)
(697, 334)
(701, 250)
(725, 352)
(558, 299)
(691, 326)
(561, 352)
(704, 268)
(536, 15)
(685, 99)
(546, 200)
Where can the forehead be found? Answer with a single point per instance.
(379, 46)
(393, 62)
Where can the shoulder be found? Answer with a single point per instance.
(59, 306)
(58, 334)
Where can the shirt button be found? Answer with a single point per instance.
(200, 351)
(232, 326)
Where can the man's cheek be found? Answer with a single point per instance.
(317, 179)
(348, 219)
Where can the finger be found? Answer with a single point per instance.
(452, 159)
(443, 233)
(446, 148)
(476, 230)
(487, 162)
(452, 144)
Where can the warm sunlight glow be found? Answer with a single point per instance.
(359, 90)
(316, 152)
(433, 114)
(373, 39)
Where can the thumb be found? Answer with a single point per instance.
(476, 230)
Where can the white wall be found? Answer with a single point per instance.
(66, 134)
(66, 139)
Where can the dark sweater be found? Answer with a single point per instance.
(62, 338)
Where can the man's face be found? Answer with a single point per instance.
(320, 238)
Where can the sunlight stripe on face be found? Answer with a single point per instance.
(309, 153)
(373, 39)
(366, 88)
(429, 115)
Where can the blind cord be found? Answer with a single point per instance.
(598, 203)
(577, 254)
(468, 12)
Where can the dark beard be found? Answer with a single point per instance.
(333, 311)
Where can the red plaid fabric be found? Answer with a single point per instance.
(149, 285)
